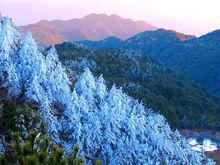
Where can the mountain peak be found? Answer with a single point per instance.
(163, 33)
(94, 15)
(115, 16)
(91, 27)
(212, 35)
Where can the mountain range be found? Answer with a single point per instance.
(90, 27)
(197, 58)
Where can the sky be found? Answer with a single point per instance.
(196, 17)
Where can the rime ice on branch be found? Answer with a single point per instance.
(107, 125)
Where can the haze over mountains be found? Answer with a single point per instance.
(90, 27)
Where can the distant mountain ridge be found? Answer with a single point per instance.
(198, 58)
(167, 37)
(90, 27)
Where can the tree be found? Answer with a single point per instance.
(58, 81)
(38, 149)
(29, 59)
(100, 90)
(8, 33)
(34, 91)
(50, 120)
(8, 74)
(106, 124)
(86, 86)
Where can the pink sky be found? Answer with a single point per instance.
(188, 16)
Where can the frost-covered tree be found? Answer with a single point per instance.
(34, 91)
(8, 33)
(53, 125)
(100, 90)
(58, 81)
(107, 125)
(8, 74)
(118, 129)
(86, 85)
(29, 59)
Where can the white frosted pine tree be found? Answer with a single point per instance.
(8, 33)
(8, 74)
(58, 81)
(9, 37)
(86, 86)
(71, 122)
(34, 91)
(100, 90)
(29, 59)
(108, 125)
(49, 119)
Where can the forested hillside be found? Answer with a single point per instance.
(107, 125)
(182, 102)
(197, 58)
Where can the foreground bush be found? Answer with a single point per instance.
(38, 149)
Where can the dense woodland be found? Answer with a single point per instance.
(181, 101)
(197, 58)
(105, 123)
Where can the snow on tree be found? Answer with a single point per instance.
(86, 85)
(34, 91)
(100, 90)
(58, 81)
(8, 74)
(12, 81)
(49, 118)
(107, 125)
(29, 58)
(127, 131)
(23, 65)
(8, 33)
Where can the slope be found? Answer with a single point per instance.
(182, 102)
(103, 123)
(198, 58)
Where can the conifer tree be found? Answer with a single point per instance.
(108, 125)
(8, 74)
(58, 81)
(29, 59)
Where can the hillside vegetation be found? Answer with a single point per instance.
(197, 58)
(182, 102)
(107, 125)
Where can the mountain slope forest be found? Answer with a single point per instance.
(182, 102)
(198, 58)
(106, 124)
